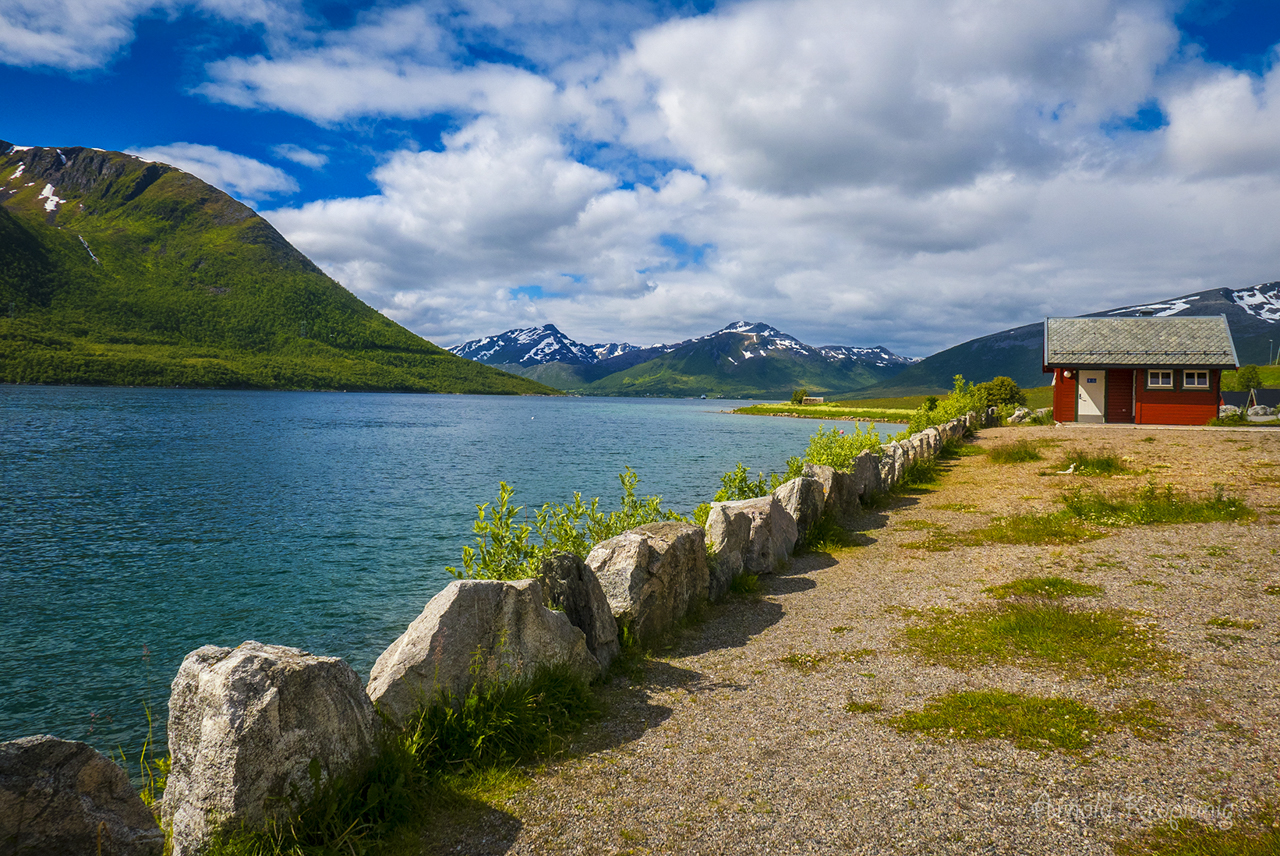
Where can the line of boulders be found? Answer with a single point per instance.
(254, 729)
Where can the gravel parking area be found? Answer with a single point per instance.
(725, 748)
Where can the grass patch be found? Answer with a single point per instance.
(1099, 642)
(1017, 452)
(1048, 588)
(957, 506)
(1100, 463)
(1233, 623)
(745, 584)
(920, 524)
(1257, 835)
(1152, 505)
(1055, 528)
(805, 664)
(381, 808)
(1029, 722)
(1144, 718)
(1271, 590)
(826, 536)
(843, 628)
(852, 705)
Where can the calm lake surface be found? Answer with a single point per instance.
(140, 524)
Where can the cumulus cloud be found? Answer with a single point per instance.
(244, 177)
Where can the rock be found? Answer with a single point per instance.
(804, 499)
(773, 532)
(652, 575)
(245, 726)
(933, 439)
(1261, 410)
(1228, 410)
(571, 587)
(64, 797)
(476, 633)
(728, 534)
(840, 495)
(866, 474)
(891, 465)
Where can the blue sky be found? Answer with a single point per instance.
(909, 173)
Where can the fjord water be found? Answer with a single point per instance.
(140, 524)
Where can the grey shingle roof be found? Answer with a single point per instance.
(1181, 341)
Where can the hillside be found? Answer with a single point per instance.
(118, 271)
(1252, 314)
(742, 360)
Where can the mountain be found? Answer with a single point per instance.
(115, 270)
(1252, 314)
(747, 360)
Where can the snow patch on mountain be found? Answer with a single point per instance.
(1159, 310)
(1261, 301)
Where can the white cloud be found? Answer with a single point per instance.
(1226, 124)
(244, 177)
(298, 154)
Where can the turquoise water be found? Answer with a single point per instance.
(140, 524)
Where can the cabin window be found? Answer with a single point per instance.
(1161, 379)
(1195, 380)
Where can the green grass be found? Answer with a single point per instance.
(446, 746)
(1055, 528)
(1048, 588)
(1099, 463)
(1153, 505)
(1028, 722)
(1255, 835)
(745, 584)
(1017, 452)
(1103, 643)
(861, 413)
(1146, 719)
(855, 706)
(1222, 622)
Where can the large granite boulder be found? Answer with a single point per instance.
(571, 587)
(804, 500)
(476, 633)
(773, 532)
(728, 534)
(60, 796)
(840, 493)
(246, 726)
(866, 474)
(652, 575)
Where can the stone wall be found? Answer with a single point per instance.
(250, 727)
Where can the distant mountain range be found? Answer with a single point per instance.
(1252, 314)
(115, 270)
(742, 360)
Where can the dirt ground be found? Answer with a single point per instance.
(724, 748)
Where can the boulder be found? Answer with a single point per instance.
(1261, 410)
(476, 633)
(572, 588)
(246, 725)
(773, 532)
(1228, 410)
(933, 437)
(840, 495)
(728, 534)
(866, 474)
(891, 465)
(61, 796)
(652, 575)
(804, 499)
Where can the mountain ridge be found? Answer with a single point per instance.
(119, 271)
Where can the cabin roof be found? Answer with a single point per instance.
(1203, 341)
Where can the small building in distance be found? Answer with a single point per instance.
(1145, 371)
(813, 399)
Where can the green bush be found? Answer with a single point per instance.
(738, 484)
(836, 448)
(1002, 392)
(797, 396)
(503, 550)
(963, 398)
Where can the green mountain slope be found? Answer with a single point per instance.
(118, 271)
(737, 364)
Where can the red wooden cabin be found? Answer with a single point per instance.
(1146, 370)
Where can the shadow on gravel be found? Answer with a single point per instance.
(483, 830)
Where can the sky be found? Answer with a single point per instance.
(905, 173)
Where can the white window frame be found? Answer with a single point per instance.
(1154, 379)
(1191, 376)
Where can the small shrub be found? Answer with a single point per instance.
(798, 395)
(1029, 722)
(745, 584)
(1048, 588)
(837, 448)
(963, 398)
(1002, 392)
(737, 484)
(1017, 452)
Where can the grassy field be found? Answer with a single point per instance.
(1270, 377)
(873, 409)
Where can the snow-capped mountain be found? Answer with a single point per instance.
(530, 346)
(744, 358)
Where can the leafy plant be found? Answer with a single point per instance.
(503, 550)
(963, 398)
(836, 448)
(1002, 391)
(737, 484)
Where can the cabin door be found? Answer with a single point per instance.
(1091, 397)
